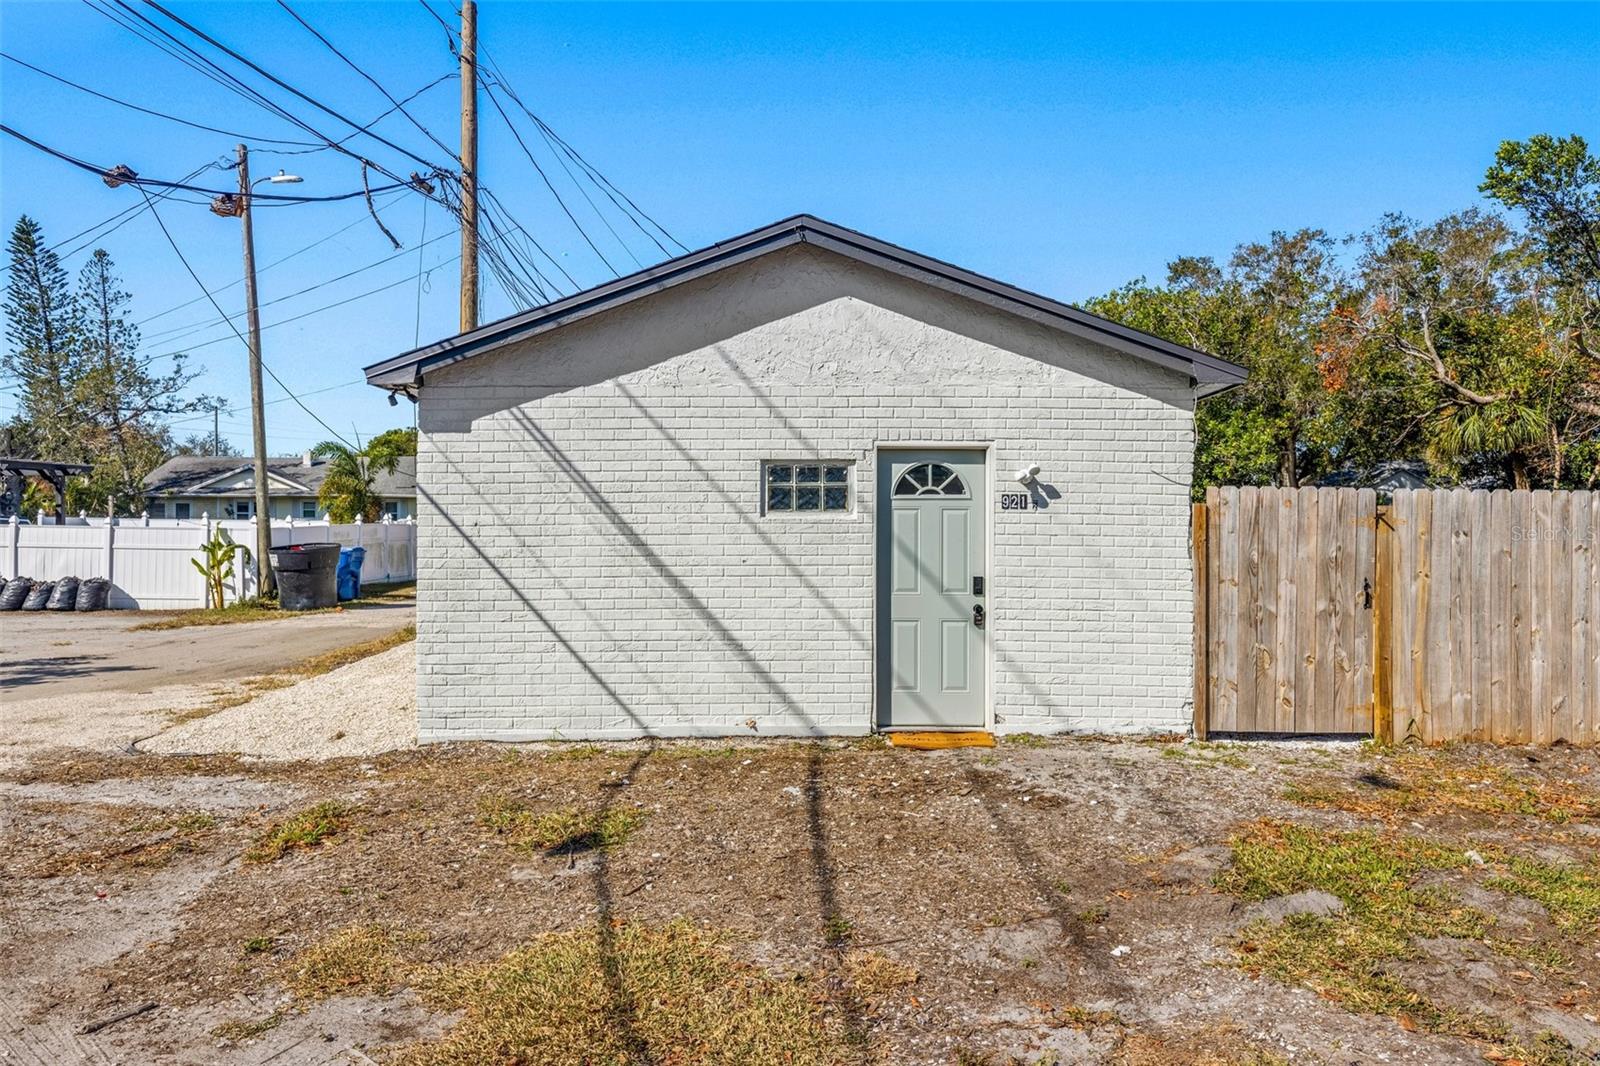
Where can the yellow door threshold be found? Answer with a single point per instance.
(934, 741)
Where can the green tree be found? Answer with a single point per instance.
(43, 348)
(347, 487)
(398, 441)
(120, 398)
(1267, 310)
(1463, 306)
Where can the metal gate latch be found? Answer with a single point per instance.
(977, 615)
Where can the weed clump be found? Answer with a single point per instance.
(362, 958)
(564, 830)
(630, 993)
(305, 829)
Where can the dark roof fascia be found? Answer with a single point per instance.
(406, 370)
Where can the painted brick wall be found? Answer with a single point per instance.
(594, 561)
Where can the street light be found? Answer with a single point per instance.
(258, 427)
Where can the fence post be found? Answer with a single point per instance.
(16, 545)
(39, 518)
(1198, 536)
(1383, 632)
(358, 531)
(111, 540)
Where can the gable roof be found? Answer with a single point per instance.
(187, 475)
(405, 371)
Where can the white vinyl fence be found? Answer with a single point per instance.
(147, 560)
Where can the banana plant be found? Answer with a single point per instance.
(217, 568)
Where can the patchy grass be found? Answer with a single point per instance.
(137, 844)
(256, 609)
(1346, 958)
(361, 959)
(306, 829)
(238, 1030)
(564, 830)
(1024, 740)
(1410, 783)
(632, 993)
(1570, 893)
(332, 660)
(1202, 753)
(875, 978)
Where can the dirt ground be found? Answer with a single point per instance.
(93, 680)
(1060, 901)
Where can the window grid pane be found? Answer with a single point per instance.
(794, 487)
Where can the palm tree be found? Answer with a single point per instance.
(347, 487)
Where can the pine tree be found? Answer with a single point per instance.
(120, 397)
(44, 343)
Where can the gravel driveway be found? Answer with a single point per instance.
(92, 681)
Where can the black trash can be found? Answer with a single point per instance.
(307, 576)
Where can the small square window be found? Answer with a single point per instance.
(308, 508)
(808, 486)
(156, 509)
(180, 510)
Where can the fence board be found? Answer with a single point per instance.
(1289, 630)
(1504, 640)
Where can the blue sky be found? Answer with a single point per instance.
(1067, 149)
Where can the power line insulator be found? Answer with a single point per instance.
(421, 184)
(121, 174)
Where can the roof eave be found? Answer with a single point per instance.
(405, 371)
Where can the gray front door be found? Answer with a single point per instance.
(931, 551)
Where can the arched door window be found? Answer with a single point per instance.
(929, 479)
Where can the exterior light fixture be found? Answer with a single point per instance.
(1028, 473)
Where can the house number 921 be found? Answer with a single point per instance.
(1014, 501)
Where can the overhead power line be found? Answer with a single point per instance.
(254, 138)
(128, 177)
(280, 83)
(182, 259)
(353, 65)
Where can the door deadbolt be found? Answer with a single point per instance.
(977, 586)
(977, 615)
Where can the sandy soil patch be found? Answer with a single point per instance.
(1079, 901)
(365, 708)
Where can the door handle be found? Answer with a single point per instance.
(977, 615)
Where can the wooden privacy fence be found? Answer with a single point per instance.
(1446, 615)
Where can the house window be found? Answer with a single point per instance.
(392, 509)
(792, 486)
(156, 509)
(929, 479)
(244, 508)
(180, 510)
(308, 508)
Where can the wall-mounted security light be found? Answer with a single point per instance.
(1027, 473)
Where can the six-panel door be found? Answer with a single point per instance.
(931, 550)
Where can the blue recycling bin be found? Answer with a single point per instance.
(349, 574)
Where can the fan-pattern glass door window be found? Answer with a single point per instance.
(808, 486)
(929, 479)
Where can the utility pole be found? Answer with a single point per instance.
(469, 165)
(258, 424)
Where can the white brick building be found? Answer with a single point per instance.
(658, 507)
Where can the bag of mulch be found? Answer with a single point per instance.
(38, 596)
(63, 597)
(16, 591)
(92, 594)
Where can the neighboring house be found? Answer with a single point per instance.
(781, 486)
(188, 486)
